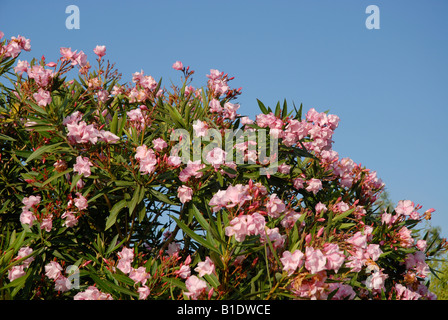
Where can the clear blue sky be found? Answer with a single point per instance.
(388, 86)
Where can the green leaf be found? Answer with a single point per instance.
(114, 212)
(262, 107)
(138, 196)
(194, 236)
(56, 176)
(37, 153)
(343, 215)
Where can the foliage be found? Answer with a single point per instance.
(96, 203)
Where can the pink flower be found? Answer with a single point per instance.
(374, 251)
(147, 159)
(184, 272)
(344, 291)
(335, 257)
(70, 219)
(92, 293)
(298, 183)
(53, 270)
(82, 133)
(108, 137)
(42, 97)
(143, 292)
(358, 240)
(275, 206)
(314, 185)
(16, 272)
(200, 128)
(195, 287)
(178, 65)
(80, 201)
(82, 166)
(404, 293)
(405, 237)
(192, 170)
(100, 51)
(205, 267)
(23, 252)
(405, 207)
(22, 66)
(27, 217)
(216, 157)
(215, 106)
(376, 280)
(320, 207)
(284, 168)
(102, 95)
(159, 144)
(31, 201)
(62, 284)
(139, 275)
(47, 223)
(124, 266)
(291, 261)
(184, 193)
(315, 260)
(41, 76)
(126, 254)
(421, 245)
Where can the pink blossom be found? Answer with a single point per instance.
(174, 161)
(143, 292)
(47, 223)
(42, 97)
(41, 76)
(184, 272)
(298, 183)
(102, 96)
(320, 207)
(376, 280)
(195, 287)
(284, 168)
(108, 136)
(173, 249)
(405, 207)
(275, 237)
(358, 240)
(82, 166)
(343, 292)
(16, 272)
(159, 144)
(70, 219)
(246, 225)
(23, 252)
(147, 159)
(139, 275)
(314, 185)
(80, 201)
(200, 128)
(216, 157)
(178, 65)
(74, 118)
(27, 217)
(124, 266)
(230, 110)
(374, 251)
(291, 261)
(184, 193)
(22, 66)
(192, 170)
(205, 267)
(315, 260)
(100, 51)
(92, 293)
(215, 106)
(404, 293)
(405, 237)
(53, 270)
(421, 245)
(275, 206)
(335, 257)
(82, 133)
(31, 201)
(126, 254)
(62, 284)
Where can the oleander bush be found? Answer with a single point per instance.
(114, 190)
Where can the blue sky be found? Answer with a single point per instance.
(388, 86)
